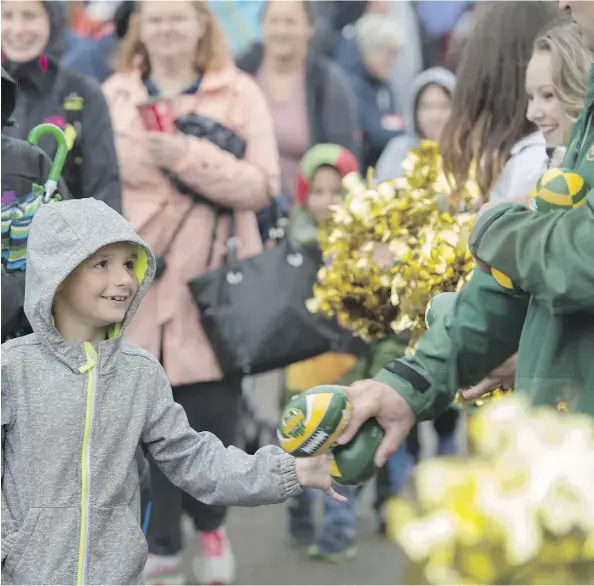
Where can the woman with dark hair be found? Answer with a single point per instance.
(310, 98)
(33, 42)
(487, 129)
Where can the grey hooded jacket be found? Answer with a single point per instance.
(389, 165)
(527, 161)
(73, 416)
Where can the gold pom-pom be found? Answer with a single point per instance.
(519, 511)
(389, 248)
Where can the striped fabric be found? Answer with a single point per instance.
(16, 221)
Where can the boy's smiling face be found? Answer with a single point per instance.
(98, 292)
(325, 190)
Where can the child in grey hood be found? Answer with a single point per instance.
(77, 401)
(430, 109)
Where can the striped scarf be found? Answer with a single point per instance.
(16, 222)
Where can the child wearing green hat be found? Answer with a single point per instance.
(319, 186)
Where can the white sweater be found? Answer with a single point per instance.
(527, 162)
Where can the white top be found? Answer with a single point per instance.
(527, 162)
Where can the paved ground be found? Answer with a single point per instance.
(264, 555)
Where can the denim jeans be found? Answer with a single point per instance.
(399, 467)
(339, 520)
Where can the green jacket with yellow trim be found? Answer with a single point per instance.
(551, 257)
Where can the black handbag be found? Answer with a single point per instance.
(253, 311)
(220, 135)
(203, 127)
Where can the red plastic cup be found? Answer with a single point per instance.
(157, 116)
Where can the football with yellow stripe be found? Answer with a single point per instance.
(559, 189)
(313, 420)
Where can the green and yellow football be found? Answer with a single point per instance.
(352, 464)
(557, 189)
(313, 420)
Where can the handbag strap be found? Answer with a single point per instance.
(213, 235)
(231, 240)
(177, 230)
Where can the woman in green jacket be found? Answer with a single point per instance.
(551, 325)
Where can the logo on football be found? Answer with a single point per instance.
(313, 421)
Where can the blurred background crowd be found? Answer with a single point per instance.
(361, 81)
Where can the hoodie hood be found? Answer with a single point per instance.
(62, 235)
(58, 42)
(9, 91)
(435, 75)
(57, 45)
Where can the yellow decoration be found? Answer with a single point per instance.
(519, 511)
(408, 221)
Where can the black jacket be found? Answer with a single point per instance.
(332, 16)
(49, 93)
(331, 103)
(375, 99)
(22, 165)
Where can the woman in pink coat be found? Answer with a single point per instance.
(176, 50)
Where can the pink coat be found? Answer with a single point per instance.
(168, 321)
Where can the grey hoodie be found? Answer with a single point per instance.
(389, 164)
(72, 418)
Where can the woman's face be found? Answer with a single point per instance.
(170, 30)
(286, 29)
(544, 108)
(433, 110)
(25, 30)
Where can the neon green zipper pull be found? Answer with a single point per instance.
(91, 356)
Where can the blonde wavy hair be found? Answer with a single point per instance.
(570, 65)
(211, 53)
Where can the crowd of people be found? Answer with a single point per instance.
(294, 96)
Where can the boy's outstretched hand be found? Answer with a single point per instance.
(315, 473)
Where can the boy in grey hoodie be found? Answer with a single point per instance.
(77, 401)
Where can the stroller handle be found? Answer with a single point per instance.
(58, 162)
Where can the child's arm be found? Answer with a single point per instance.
(8, 404)
(199, 464)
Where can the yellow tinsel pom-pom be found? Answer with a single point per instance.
(519, 511)
(389, 248)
